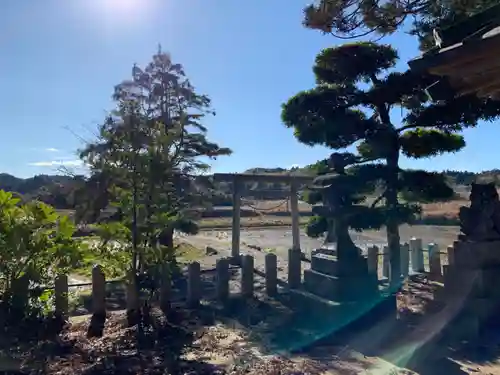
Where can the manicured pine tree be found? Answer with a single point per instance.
(352, 105)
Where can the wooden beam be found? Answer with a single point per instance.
(483, 75)
(481, 86)
(489, 91)
(455, 55)
(461, 61)
(473, 65)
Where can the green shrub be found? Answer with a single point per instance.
(36, 245)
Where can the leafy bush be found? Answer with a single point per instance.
(36, 245)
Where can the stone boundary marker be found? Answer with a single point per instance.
(412, 260)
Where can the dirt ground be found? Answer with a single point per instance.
(208, 340)
(279, 240)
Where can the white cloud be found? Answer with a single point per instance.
(52, 149)
(57, 163)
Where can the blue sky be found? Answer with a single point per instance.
(60, 59)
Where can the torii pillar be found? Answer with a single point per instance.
(236, 224)
(294, 207)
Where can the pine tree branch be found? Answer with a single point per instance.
(408, 127)
(376, 201)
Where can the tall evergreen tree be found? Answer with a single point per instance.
(147, 151)
(352, 105)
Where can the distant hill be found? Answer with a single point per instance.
(455, 177)
(58, 190)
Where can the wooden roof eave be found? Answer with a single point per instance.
(470, 52)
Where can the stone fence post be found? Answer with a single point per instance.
(271, 269)
(373, 260)
(61, 296)
(386, 262)
(434, 261)
(294, 268)
(451, 254)
(247, 276)
(194, 284)
(133, 299)
(98, 290)
(417, 255)
(405, 260)
(222, 279)
(96, 326)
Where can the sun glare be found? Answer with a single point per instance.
(122, 6)
(116, 12)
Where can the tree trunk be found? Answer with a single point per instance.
(393, 240)
(135, 235)
(391, 194)
(167, 241)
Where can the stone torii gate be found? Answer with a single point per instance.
(239, 179)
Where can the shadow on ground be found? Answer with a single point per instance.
(153, 349)
(419, 338)
(415, 339)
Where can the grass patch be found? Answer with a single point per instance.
(249, 222)
(187, 253)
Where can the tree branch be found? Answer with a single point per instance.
(376, 201)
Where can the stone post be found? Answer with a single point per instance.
(235, 228)
(165, 288)
(96, 326)
(222, 279)
(451, 254)
(417, 255)
(133, 300)
(434, 261)
(294, 268)
(194, 284)
(294, 206)
(271, 270)
(373, 260)
(61, 296)
(386, 262)
(405, 259)
(98, 290)
(247, 276)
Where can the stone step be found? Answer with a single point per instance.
(340, 288)
(325, 263)
(331, 252)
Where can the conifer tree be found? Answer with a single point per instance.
(146, 154)
(353, 105)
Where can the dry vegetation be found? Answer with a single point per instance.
(273, 214)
